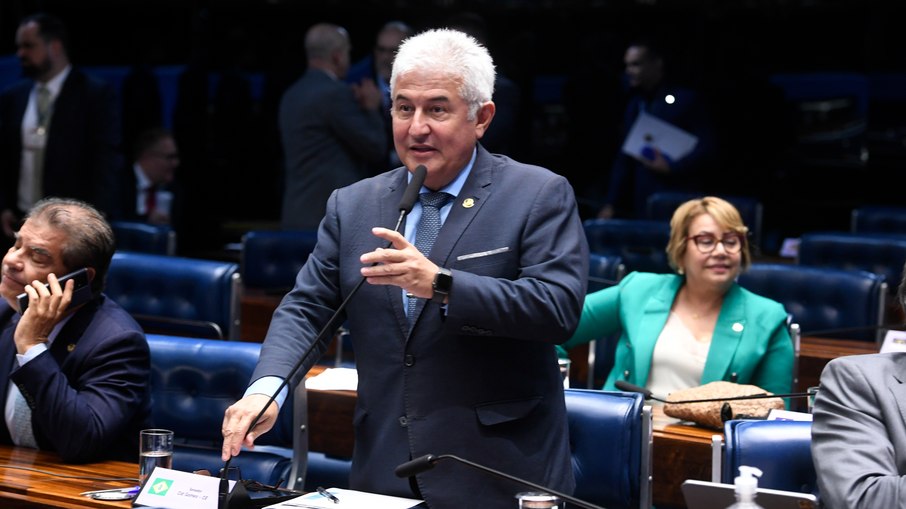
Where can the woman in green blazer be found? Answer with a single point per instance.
(697, 326)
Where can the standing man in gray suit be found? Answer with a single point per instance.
(330, 131)
(454, 345)
(859, 429)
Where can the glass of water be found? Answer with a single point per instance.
(155, 450)
(537, 500)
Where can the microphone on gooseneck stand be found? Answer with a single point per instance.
(628, 387)
(426, 462)
(238, 498)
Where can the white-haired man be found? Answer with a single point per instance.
(454, 345)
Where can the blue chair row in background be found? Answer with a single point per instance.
(177, 295)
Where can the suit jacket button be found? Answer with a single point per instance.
(409, 360)
(404, 421)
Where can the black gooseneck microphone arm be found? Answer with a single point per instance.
(426, 462)
(628, 387)
(405, 207)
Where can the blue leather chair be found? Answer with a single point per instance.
(879, 219)
(640, 243)
(822, 300)
(270, 259)
(610, 436)
(177, 295)
(661, 206)
(882, 254)
(780, 449)
(144, 237)
(603, 271)
(193, 381)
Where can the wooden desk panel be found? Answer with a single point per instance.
(255, 311)
(814, 354)
(678, 452)
(25, 488)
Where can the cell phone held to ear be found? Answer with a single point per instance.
(81, 292)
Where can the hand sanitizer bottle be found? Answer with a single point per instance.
(746, 486)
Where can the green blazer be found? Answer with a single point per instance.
(751, 339)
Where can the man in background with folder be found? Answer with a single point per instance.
(649, 166)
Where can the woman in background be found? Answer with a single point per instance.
(696, 326)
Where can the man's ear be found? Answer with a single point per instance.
(483, 118)
(91, 273)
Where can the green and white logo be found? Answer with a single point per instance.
(160, 486)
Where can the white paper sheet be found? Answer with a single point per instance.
(348, 499)
(650, 131)
(334, 379)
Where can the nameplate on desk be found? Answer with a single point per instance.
(894, 341)
(172, 489)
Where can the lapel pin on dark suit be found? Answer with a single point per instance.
(468, 203)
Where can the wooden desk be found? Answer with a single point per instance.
(25, 488)
(255, 311)
(814, 354)
(678, 452)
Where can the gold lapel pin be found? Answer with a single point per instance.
(70, 347)
(468, 203)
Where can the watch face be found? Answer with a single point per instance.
(443, 281)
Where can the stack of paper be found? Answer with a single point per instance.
(348, 499)
(334, 379)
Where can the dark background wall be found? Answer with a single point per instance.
(566, 57)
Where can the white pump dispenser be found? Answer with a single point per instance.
(746, 486)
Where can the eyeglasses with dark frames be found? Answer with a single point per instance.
(706, 242)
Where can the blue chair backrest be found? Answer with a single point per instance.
(604, 271)
(780, 449)
(270, 260)
(190, 292)
(822, 299)
(144, 237)
(610, 437)
(193, 381)
(661, 206)
(879, 219)
(881, 254)
(640, 243)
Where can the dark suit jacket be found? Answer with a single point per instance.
(82, 158)
(479, 380)
(630, 178)
(328, 141)
(89, 392)
(128, 195)
(859, 431)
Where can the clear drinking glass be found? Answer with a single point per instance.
(155, 450)
(538, 500)
(564, 371)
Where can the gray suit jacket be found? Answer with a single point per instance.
(859, 432)
(328, 142)
(479, 380)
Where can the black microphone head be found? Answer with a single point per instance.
(417, 465)
(628, 387)
(411, 194)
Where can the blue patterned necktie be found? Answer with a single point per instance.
(426, 231)
(22, 432)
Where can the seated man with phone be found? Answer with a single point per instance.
(74, 366)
